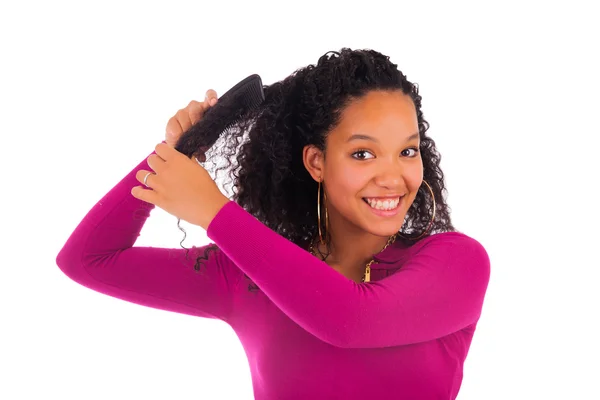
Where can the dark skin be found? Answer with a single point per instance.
(382, 164)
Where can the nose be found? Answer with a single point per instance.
(389, 175)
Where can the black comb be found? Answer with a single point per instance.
(245, 96)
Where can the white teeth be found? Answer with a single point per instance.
(384, 205)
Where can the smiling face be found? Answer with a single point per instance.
(372, 167)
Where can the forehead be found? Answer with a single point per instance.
(378, 113)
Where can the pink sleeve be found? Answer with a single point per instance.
(100, 255)
(440, 290)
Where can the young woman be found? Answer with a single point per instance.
(336, 262)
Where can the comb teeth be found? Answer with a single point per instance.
(245, 96)
(253, 93)
(249, 89)
(247, 93)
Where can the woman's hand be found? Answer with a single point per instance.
(188, 116)
(180, 186)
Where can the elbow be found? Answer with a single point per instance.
(68, 264)
(62, 261)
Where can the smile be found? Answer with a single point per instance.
(383, 205)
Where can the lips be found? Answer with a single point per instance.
(388, 207)
(383, 204)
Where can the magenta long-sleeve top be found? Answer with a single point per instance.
(308, 331)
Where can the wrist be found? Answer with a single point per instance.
(217, 205)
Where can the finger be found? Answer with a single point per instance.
(173, 129)
(198, 109)
(211, 97)
(156, 163)
(165, 153)
(147, 195)
(195, 111)
(141, 175)
(178, 124)
(181, 122)
(183, 117)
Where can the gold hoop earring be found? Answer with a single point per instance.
(432, 216)
(319, 223)
(326, 215)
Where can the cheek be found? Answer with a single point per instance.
(347, 182)
(413, 183)
(344, 187)
(413, 177)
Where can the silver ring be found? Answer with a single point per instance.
(146, 178)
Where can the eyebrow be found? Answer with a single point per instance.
(358, 136)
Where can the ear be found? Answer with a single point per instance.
(313, 159)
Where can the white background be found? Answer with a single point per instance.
(86, 89)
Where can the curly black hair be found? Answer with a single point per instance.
(263, 150)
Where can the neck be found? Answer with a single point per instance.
(351, 248)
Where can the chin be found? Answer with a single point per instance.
(381, 228)
(384, 232)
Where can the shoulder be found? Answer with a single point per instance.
(455, 246)
(458, 253)
(450, 248)
(450, 241)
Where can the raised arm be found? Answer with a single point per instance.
(440, 290)
(100, 255)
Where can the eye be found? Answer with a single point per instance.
(415, 149)
(361, 154)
